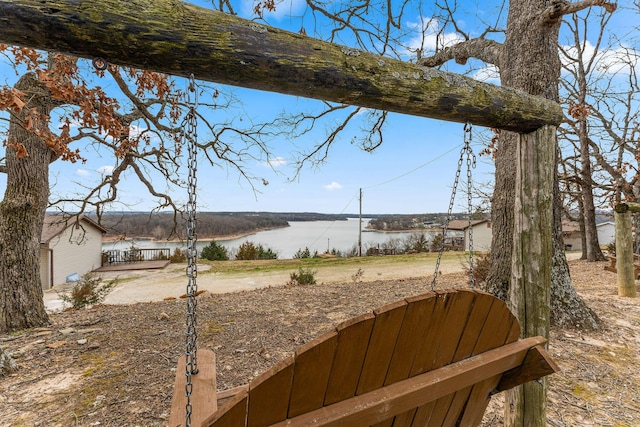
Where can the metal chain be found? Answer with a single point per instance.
(471, 164)
(466, 150)
(190, 134)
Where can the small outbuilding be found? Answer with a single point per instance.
(70, 246)
(480, 230)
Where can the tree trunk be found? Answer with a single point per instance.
(502, 203)
(177, 38)
(22, 214)
(568, 310)
(530, 40)
(592, 249)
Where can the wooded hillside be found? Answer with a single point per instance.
(162, 226)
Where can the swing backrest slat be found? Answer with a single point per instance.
(389, 355)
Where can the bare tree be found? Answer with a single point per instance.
(580, 60)
(137, 132)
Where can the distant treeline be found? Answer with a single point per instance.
(209, 225)
(411, 222)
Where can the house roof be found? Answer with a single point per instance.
(602, 224)
(54, 225)
(570, 227)
(463, 224)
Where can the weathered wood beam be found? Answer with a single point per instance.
(178, 38)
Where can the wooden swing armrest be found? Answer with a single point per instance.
(536, 364)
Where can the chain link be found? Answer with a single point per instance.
(471, 162)
(190, 135)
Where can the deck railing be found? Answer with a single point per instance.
(118, 256)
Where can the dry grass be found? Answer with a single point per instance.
(123, 374)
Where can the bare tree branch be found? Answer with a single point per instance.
(558, 9)
(485, 50)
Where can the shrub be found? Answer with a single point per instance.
(214, 251)
(248, 251)
(357, 276)
(88, 291)
(338, 253)
(481, 264)
(436, 243)
(303, 277)
(417, 242)
(178, 256)
(306, 253)
(611, 248)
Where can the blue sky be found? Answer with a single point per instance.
(411, 172)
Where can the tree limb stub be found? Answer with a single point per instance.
(558, 9)
(177, 38)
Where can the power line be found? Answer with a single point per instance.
(457, 147)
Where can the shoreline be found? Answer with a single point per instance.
(408, 230)
(224, 238)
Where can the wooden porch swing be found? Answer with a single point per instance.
(430, 360)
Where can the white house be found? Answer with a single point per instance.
(571, 236)
(480, 230)
(69, 245)
(606, 232)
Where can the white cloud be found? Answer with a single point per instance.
(333, 186)
(83, 173)
(608, 61)
(488, 74)
(105, 170)
(429, 36)
(276, 162)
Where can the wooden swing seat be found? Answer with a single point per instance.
(430, 360)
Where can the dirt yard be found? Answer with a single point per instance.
(114, 364)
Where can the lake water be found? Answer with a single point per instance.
(316, 235)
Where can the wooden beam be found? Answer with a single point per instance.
(178, 38)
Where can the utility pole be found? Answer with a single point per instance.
(360, 227)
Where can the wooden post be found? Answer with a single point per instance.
(624, 249)
(203, 397)
(530, 289)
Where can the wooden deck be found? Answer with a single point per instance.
(143, 265)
